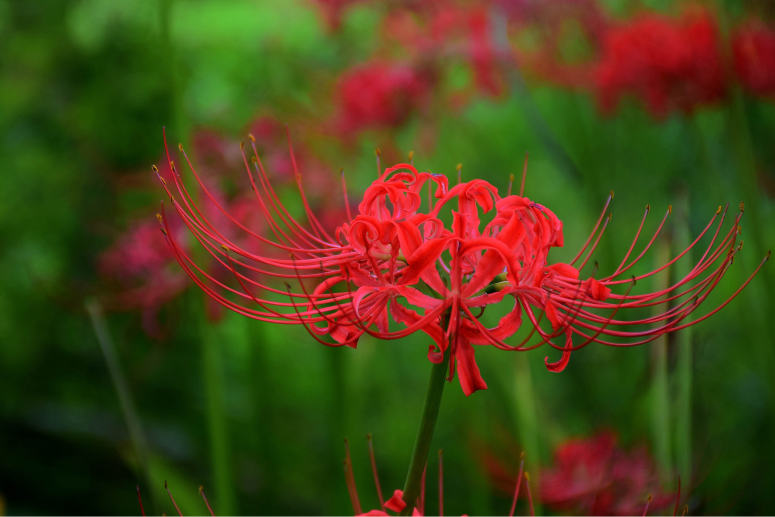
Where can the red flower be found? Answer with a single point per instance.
(143, 266)
(396, 502)
(593, 476)
(397, 259)
(441, 31)
(379, 94)
(753, 49)
(669, 64)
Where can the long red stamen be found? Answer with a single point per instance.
(646, 508)
(140, 500)
(350, 479)
(529, 494)
(177, 509)
(374, 470)
(204, 498)
(518, 484)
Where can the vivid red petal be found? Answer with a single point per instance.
(467, 369)
(563, 362)
(396, 502)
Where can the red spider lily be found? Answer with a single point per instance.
(595, 477)
(379, 94)
(396, 501)
(145, 270)
(398, 259)
(144, 267)
(432, 32)
(753, 49)
(670, 64)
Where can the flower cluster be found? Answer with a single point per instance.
(670, 64)
(143, 267)
(431, 257)
(379, 93)
(753, 48)
(593, 476)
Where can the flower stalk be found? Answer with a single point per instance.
(422, 443)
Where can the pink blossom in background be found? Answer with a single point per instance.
(594, 476)
(142, 266)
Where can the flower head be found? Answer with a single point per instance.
(145, 272)
(753, 49)
(431, 257)
(380, 94)
(669, 64)
(596, 477)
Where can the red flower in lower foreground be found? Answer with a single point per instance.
(396, 502)
(398, 259)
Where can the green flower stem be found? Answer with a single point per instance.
(424, 435)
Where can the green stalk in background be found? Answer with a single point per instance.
(660, 393)
(210, 336)
(520, 91)
(178, 124)
(261, 421)
(220, 456)
(684, 354)
(526, 416)
(128, 409)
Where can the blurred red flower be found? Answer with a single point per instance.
(753, 50)
(142, 265)
(593, 476)
(418, 253)
(379, 94)
(671, 64)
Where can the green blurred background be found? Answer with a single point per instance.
(257, 414)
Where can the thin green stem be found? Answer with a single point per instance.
(422, 443)
(136, 434)
(216, 419)
(526, 414)
(660, 395)
(683, 367)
